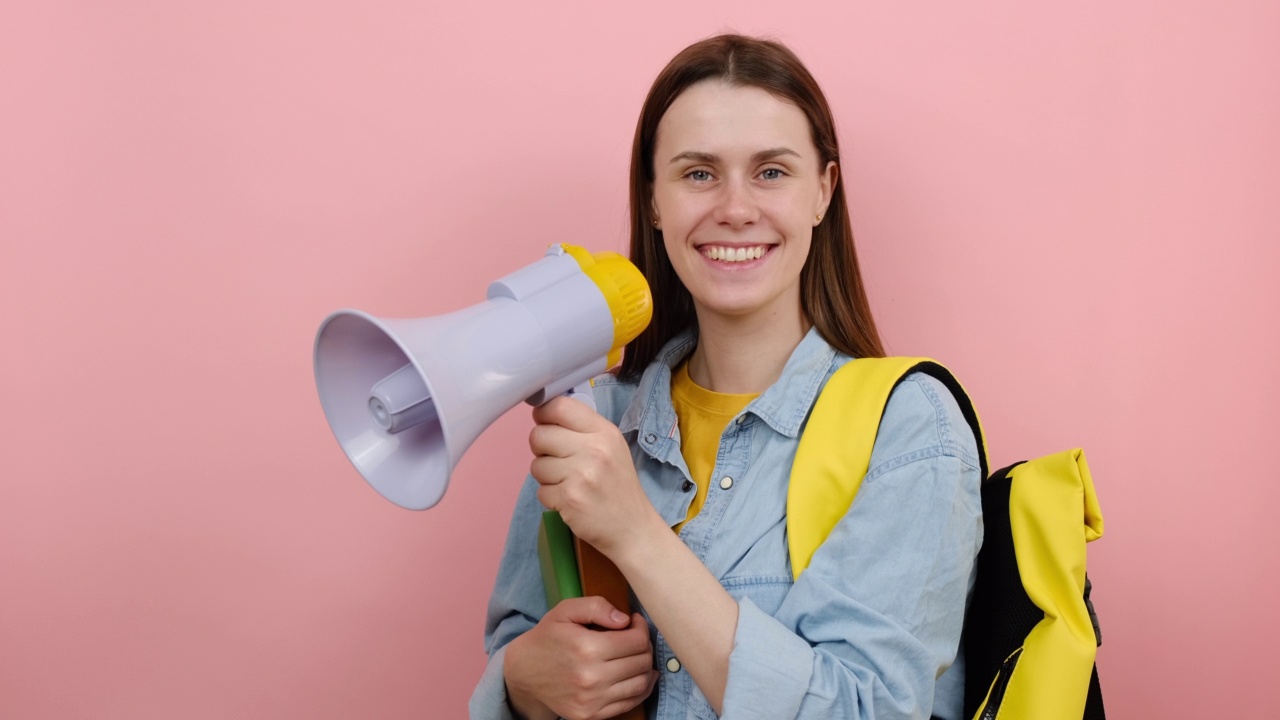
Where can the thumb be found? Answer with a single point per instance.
(591, 611)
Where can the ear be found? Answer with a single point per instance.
(826, 185)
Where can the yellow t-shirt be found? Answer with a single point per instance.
(702, 415)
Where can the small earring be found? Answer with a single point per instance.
(818, 217)
(655, 222)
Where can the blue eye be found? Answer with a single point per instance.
(699, 176)
(772, 174)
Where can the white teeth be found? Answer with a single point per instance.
(731, 255)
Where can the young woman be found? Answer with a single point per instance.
(740, 224)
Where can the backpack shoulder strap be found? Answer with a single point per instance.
(835, 449)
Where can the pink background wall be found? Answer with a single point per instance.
(1073, 204)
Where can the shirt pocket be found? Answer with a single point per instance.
(764, 591)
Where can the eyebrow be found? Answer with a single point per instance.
(761, 156)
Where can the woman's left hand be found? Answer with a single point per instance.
(586, 472)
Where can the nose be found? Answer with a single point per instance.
(737, 204)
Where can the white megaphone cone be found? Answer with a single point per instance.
(406, 398)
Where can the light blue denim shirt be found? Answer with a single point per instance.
(871, 628)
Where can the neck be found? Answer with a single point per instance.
(743, 356)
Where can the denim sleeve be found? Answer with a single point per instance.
(489, 699)
(515, 606)
(876, 618)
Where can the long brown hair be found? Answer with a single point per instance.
(831, 294)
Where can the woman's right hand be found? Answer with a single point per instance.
(565, 667)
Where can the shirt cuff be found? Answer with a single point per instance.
(769, 668)
(489, 700)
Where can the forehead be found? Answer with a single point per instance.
(716, 117)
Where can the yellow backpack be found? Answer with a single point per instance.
(1031, 635)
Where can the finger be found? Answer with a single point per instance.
(628, 667)
(631, 642)
(550, 497)
(630, 696)
(643, 684)
(567, 413)
(592, 610)
(549, 470)
(547, 498)
(552, 440)
(626, 695)
(614, 709)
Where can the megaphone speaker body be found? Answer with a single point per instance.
(406, 397)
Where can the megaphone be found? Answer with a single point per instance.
(406, 397)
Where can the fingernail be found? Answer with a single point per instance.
(617, 616)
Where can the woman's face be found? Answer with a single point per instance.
(737, 190)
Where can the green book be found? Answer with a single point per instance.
(558, 560)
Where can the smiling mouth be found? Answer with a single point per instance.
(733, 255)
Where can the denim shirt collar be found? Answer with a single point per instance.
(783, 406)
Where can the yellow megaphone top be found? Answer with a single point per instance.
(624, 289)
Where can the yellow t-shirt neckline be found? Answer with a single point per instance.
(702, 416)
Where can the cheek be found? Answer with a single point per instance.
(675, 252)
(679, 259)
(674, 216)
(662, 201)
(683, 210)
(796, 215)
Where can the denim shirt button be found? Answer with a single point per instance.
(650, 438)
(673, 665)
(686, 486)
(726, 482)
(741, 419)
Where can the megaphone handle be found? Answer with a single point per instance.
(601, 577)
(583, 394)
(597, 573)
